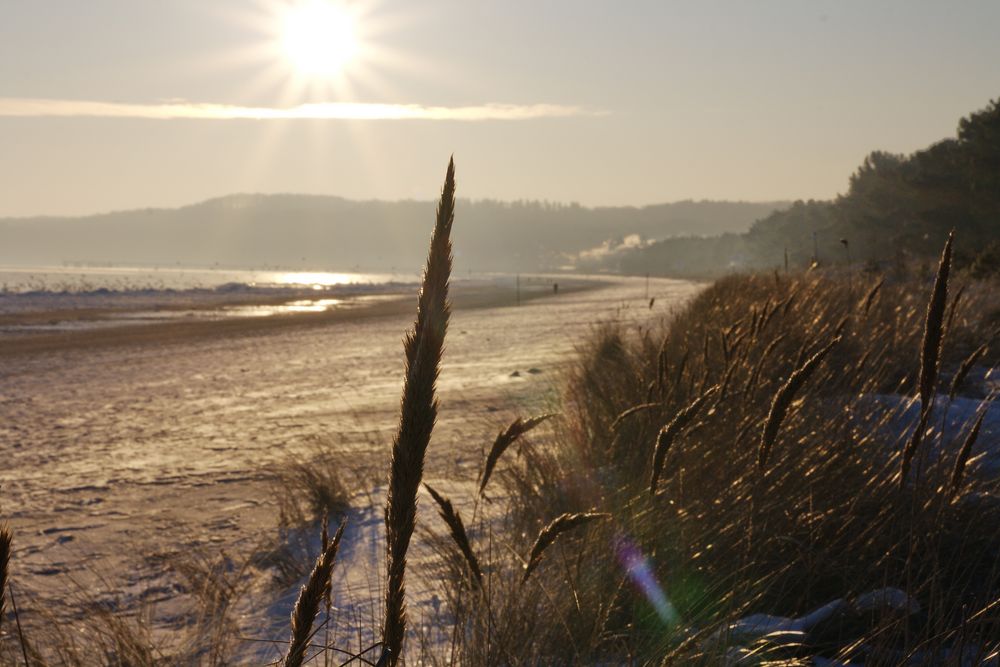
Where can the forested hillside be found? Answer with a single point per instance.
(896, 206)
(319, 232)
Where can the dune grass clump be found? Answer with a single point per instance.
(310, 485)
(832, 366)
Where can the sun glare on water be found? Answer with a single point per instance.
(318, 280)
(319, 37)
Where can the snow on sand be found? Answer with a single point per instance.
(117, 456)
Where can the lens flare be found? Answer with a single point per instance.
(639, 570)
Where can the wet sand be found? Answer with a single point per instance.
(122, 447)
(141, 321)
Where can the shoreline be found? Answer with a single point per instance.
(211, 322)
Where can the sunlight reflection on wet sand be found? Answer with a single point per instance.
(221, 312)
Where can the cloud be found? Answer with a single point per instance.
(50, 108)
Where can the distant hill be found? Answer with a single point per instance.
(896, 206)
(292, 231)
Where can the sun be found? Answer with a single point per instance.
(319, 37)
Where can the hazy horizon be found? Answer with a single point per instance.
(336, 233)
(777, 203)
(113, 105)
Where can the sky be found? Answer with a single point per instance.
(119, 104)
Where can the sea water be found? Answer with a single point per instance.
(81, 279)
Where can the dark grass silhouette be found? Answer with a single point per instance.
(505, 439)
(6, 539)
(423, 347)
(308, 602)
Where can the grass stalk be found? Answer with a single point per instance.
(6, 540)
(307, 604)
(964, 452)
(669, 433)
(423, 347)
(560, 525)
(965, 367)
(456, 528)
(783, 399)
(930, 354)
(930, 350)
(505, 439)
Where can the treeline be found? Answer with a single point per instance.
(320, 232)
(896, 207)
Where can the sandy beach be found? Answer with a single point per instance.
(125, 445)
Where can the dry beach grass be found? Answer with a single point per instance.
(809, 504)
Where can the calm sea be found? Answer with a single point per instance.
(122, 279)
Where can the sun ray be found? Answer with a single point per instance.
(286, 63)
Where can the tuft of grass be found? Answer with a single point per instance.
(310, 485)
(214, 584)
(422, 347)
